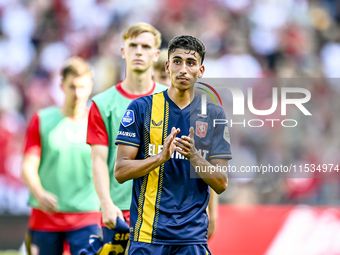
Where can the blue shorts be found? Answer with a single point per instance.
(52, 243)
(139, 248)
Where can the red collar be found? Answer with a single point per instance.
(132, 96)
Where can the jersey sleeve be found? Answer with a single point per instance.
(220, 146)
(96, 130)
(130, 126)
(33, 140)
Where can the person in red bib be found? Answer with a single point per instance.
(57, 169)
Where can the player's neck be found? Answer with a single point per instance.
(76, 112)
(138, 83)
(182, 98)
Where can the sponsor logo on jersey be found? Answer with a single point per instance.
(201, 129)
(128, 118)
(154, 150)
(156, 125)
(204, 153)
(226, 134)
(129, 134)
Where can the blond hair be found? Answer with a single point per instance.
(142, 27)
(76, 66)
(163, 57)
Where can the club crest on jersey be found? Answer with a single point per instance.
(201, 129)
(128, 118)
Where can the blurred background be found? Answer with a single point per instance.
(244, 39)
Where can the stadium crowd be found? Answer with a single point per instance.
(244, 39)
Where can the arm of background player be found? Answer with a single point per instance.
(98, 138)
(30, 165)
(212, 210)
(128, 168)
(101, 180)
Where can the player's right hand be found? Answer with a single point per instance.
(168, 145)
(110, 213)
(48, 202)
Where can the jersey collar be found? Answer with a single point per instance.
(194, 103)
(133, 96)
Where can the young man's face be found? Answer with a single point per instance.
(162, 77)
(184, 67)
(140, 52)
(77, 89)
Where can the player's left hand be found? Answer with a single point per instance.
(186, 144)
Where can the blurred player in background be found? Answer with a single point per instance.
(140, 49)
(168, 209)
(57, 169)
(160, 74)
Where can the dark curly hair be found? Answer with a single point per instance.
(187, 42)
